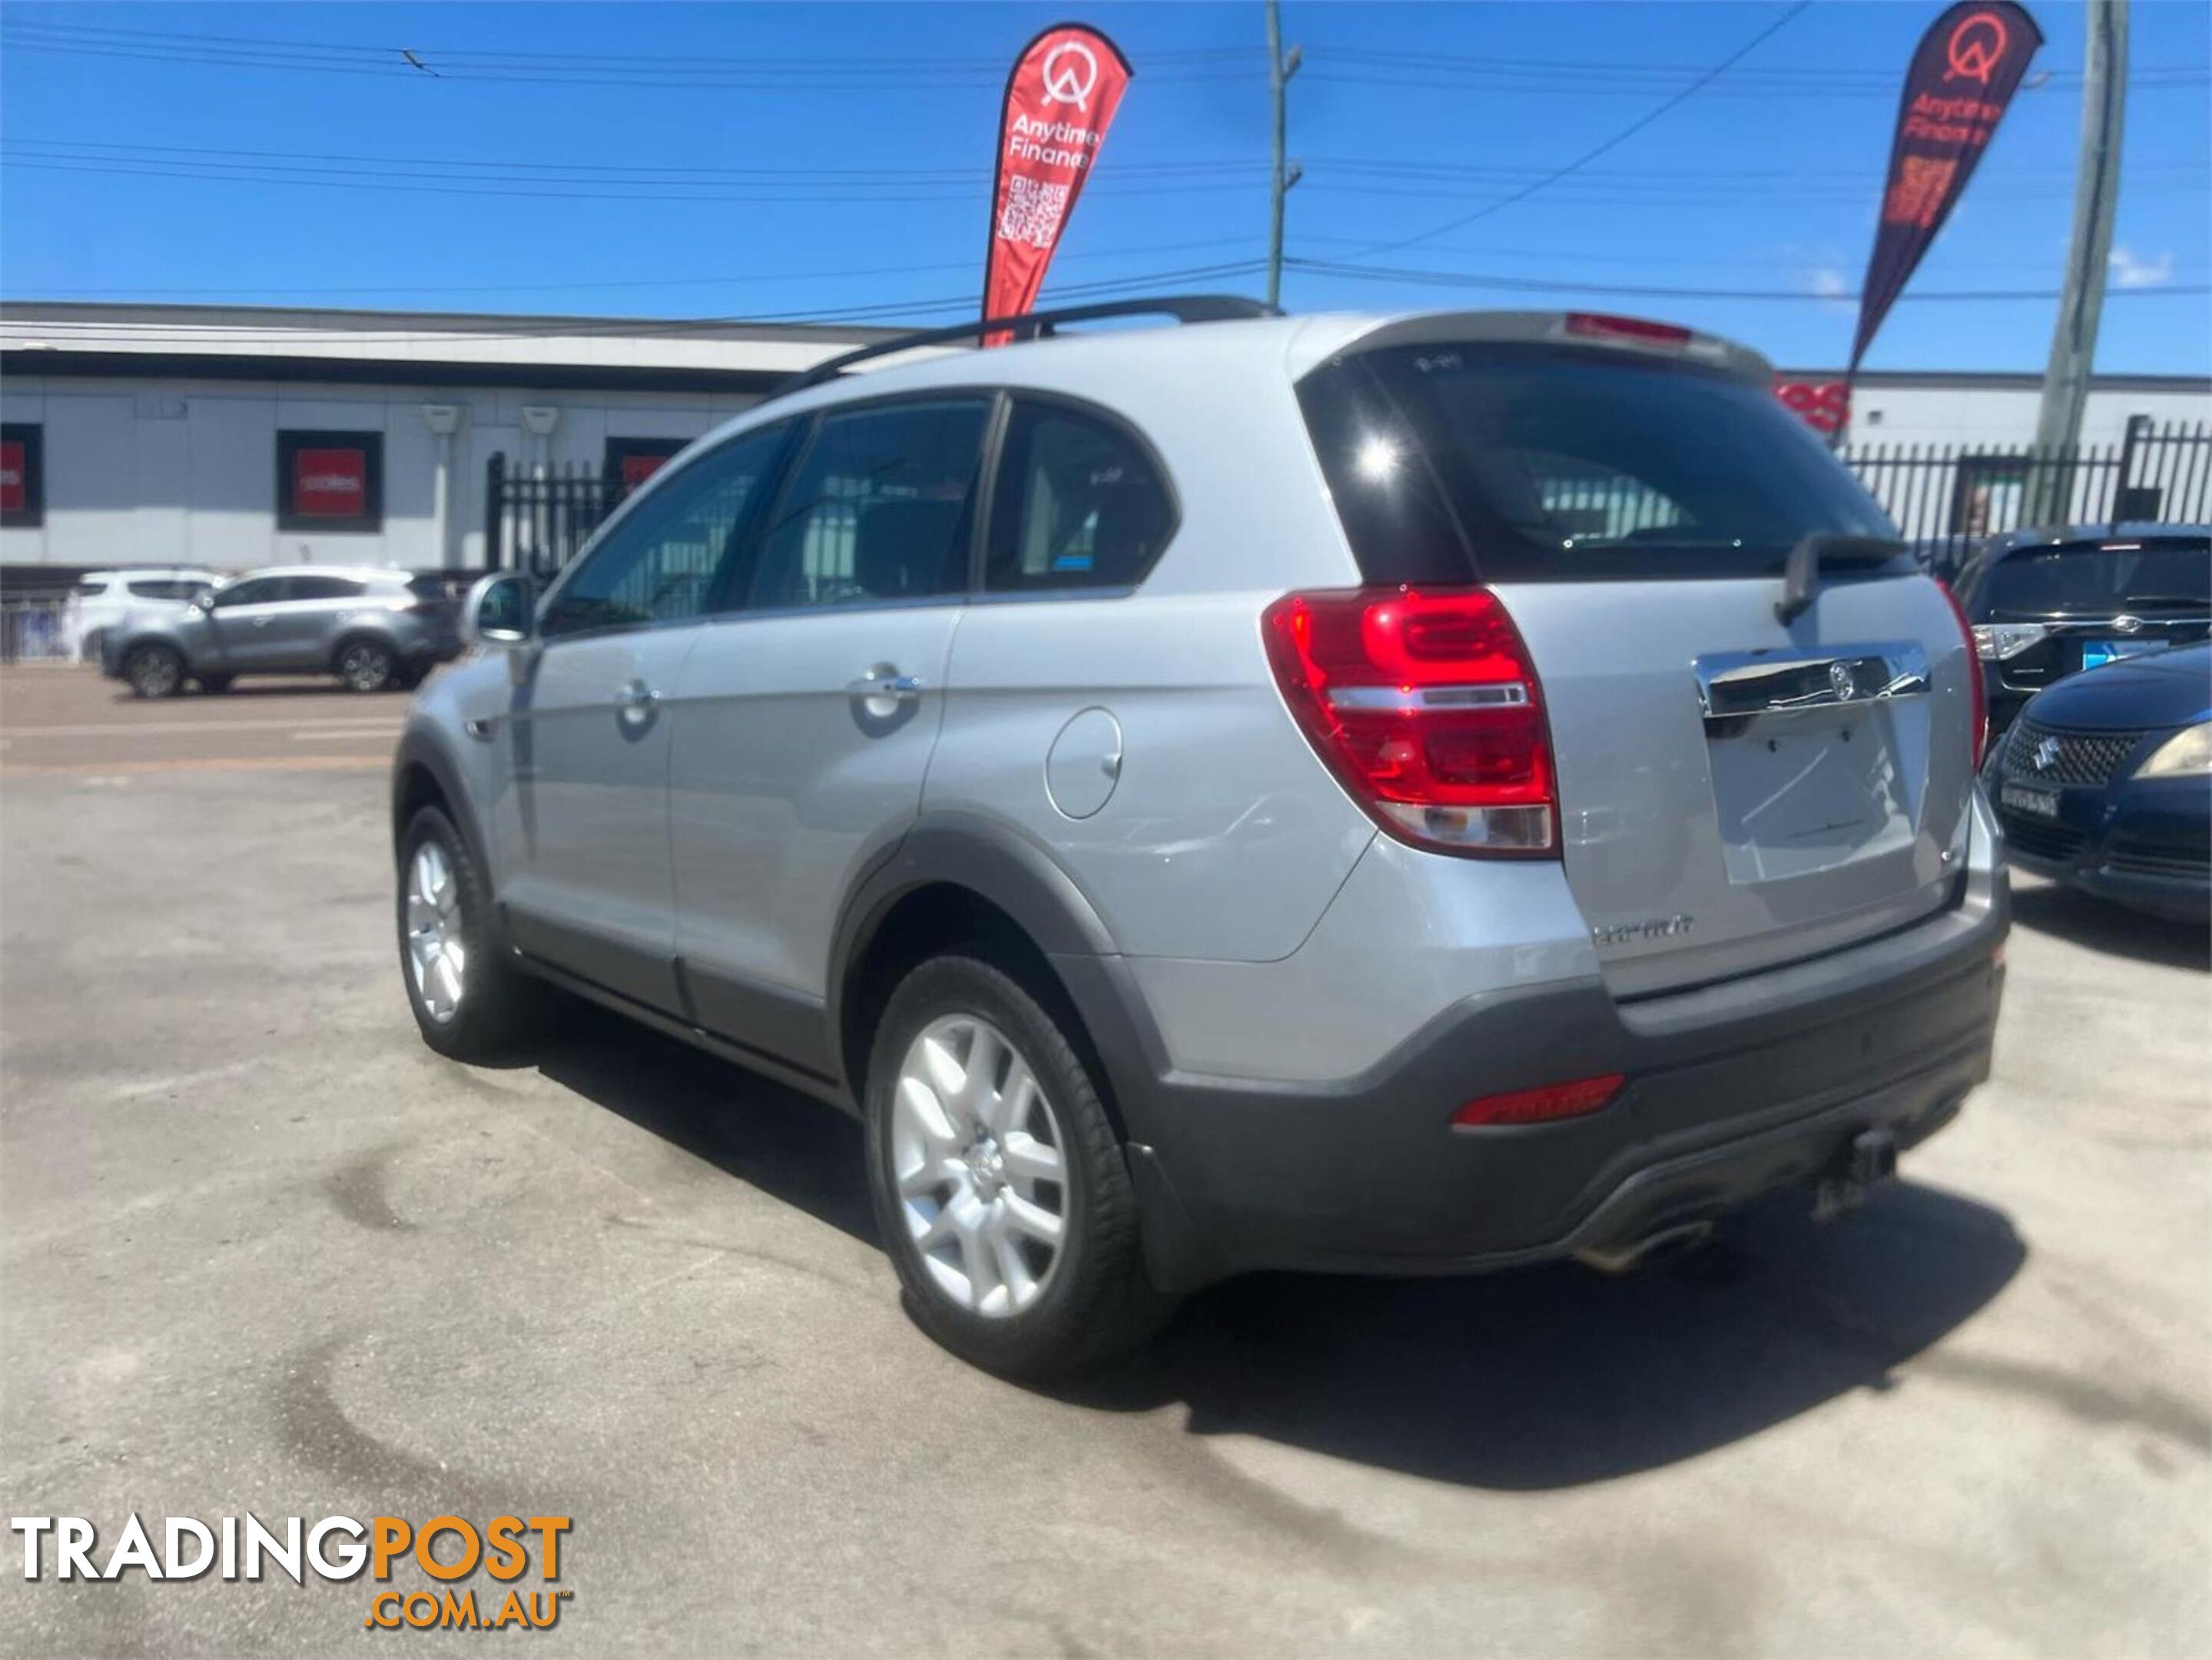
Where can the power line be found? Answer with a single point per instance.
(206, 334)
(1546, 285)
(719, 280)
(1385, 167)
(1612, 143)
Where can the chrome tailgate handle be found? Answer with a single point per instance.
(1733, 684)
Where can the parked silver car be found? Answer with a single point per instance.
(1400, 794)
(373, 626)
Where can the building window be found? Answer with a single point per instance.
(329, 481)
(22, 475)
(631, 461)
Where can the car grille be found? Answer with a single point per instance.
(2040, 841)
(2081, 759)
(2154, 858)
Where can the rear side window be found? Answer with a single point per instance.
(1080, 504)
(166, 588)
(1515, 463)
(880, 507)
(90, 590)
(2096, 581)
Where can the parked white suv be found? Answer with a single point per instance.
(1386, 793)
(103, 598)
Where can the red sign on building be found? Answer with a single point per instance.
(15, 492)
(636, 468)
(330, 483)
(1823, 405)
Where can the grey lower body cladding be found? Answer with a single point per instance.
(1732, 1091)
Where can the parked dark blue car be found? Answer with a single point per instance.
(2105, 781)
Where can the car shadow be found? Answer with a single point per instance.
(794, 1149)
(2082, 919)
(1543, 1379)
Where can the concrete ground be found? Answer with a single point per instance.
(260, 1249)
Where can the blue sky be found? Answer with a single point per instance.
(769, 160)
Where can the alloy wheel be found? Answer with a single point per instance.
(977, 1158)
(365, 667)
(437, 956)
(154, 674)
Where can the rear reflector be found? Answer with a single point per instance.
(1595, 325)
(1541, 1105)
(1425, 704)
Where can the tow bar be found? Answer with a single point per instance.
(1871, 1158)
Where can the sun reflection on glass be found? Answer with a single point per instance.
(1377, 459)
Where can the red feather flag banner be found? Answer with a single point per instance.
(1061, 99)
(1960, 82)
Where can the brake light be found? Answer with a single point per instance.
(1541, 1105)
(1596, 326)
(1425, 704)
(1981, 691)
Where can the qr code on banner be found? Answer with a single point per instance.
(1032, 212)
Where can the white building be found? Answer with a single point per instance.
(233, 436)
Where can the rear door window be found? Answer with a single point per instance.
(323, 587)
(881, 506)
(166, 588)
(2091, 579)
(1518, 463)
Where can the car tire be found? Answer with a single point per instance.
(478, 1006)
(214, 684)
(1050, 1310)
(366, 666)
(154, 670)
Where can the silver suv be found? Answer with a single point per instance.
(373, 626)
(1392, 794)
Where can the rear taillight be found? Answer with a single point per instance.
(1981, 691)
(1425, 705)
(1544, 1104)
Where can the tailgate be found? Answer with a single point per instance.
(1735, 794)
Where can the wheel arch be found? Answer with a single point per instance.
(423, 774)
(955, 876)
(356, 633)
(954, 879)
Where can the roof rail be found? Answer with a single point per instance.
(1034, 325)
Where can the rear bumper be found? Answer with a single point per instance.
(1732, 1091)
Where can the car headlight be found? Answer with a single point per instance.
(2187, 754)
(1996, 641)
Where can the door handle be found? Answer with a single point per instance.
(262, 621)
(636, 703)
(884, 680)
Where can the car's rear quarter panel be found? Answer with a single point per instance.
(1224, 837)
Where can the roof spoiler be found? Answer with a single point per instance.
(1036, 325)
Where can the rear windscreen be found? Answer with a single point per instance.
(1522, 462)
(2101, 581)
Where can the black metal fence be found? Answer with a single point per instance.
(536, 520)
(1945, 499)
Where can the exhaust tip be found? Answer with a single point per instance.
(1676, 1239)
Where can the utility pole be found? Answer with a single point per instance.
(2096, 195)
(1280, 68)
